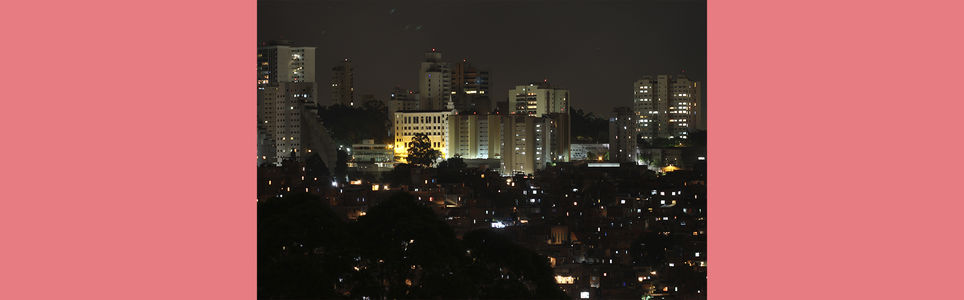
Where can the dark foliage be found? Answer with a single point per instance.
(350, 125)
(452, 170)
(420, 151)
(399, 250)
(587, 128)
(300, 251)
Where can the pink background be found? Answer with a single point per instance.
(130, 149)
(858, 105)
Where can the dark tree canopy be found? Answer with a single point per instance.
(420, 151)
(402, 174)
(346, 125)
(299, 248)
(452, 170)
(495, 254)
(399, 250)
(588, 128)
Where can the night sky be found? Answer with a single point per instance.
(596, 49)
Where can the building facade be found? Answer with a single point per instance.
(623, 132)
(667, 106)
(523, 143)
(289, 126)
(279, 61)
(476, 136)
(538, 99)
(343, 84)
(434, 82)
(471, 88)
(402, 100)
(279, 113)
(370, 152)
(434, 124)
(583, 151)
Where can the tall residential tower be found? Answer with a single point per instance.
(434, 82)
(622, 135)
(538, 99)
(343, 84)
(279, 61)
(667, 107)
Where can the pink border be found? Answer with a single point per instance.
(857, 105)
(129, 150)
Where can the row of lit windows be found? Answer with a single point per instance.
(423, 119)
(412, 133)
(420, 128)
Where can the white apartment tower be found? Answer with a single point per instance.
(538, 99)
(280, 109)
(523, 143)
(667, 107)
(279, 61)
(434, 82)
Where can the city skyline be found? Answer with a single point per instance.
(514, 213)
(594, 49)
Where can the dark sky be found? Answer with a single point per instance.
(596, 49)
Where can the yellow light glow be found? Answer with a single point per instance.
(565, 279)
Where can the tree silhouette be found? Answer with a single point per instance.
(495, 255)
(399, 250)
(452, 170)
(410, 251)
(343, 122)
(299, 248)
(588, 128)
(420, 151)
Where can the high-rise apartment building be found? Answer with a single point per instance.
(476, 136)
(401, 100)
(667, 107)
(288, 122)
(434, 82)
(523, 143)
(538, 99)
(622, 135)
(280, 109)
(434, 124)
(279, 61)
(471, 88)
(343, 84)
(526, 146)
(468, 80)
